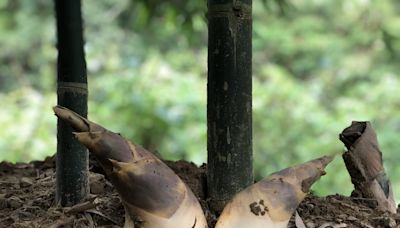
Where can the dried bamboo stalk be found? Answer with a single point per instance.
(364, 163)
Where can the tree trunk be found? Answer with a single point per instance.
(72, 157)
(229, 108)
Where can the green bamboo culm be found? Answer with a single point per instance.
(229, 99)
(72, 157)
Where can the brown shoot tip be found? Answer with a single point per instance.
(77, 122)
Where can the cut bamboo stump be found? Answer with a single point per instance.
(363, 160)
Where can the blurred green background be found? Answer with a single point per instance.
(317, 65)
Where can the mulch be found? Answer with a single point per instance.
(27, 193)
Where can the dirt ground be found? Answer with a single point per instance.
(27, 200)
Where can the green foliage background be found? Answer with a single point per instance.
(317, 66)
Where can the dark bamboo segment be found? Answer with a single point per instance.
(72, 157)
(229, 104)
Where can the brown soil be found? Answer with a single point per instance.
(27, 200)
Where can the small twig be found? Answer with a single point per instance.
(348, 205)
(299, 221)
(42, 180)
(102, 215)
(81, 207)
(65, 222)
(90, 219)
(363, 199)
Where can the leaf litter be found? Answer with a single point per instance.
(27, 193)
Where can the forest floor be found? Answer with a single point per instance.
(27, 192)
